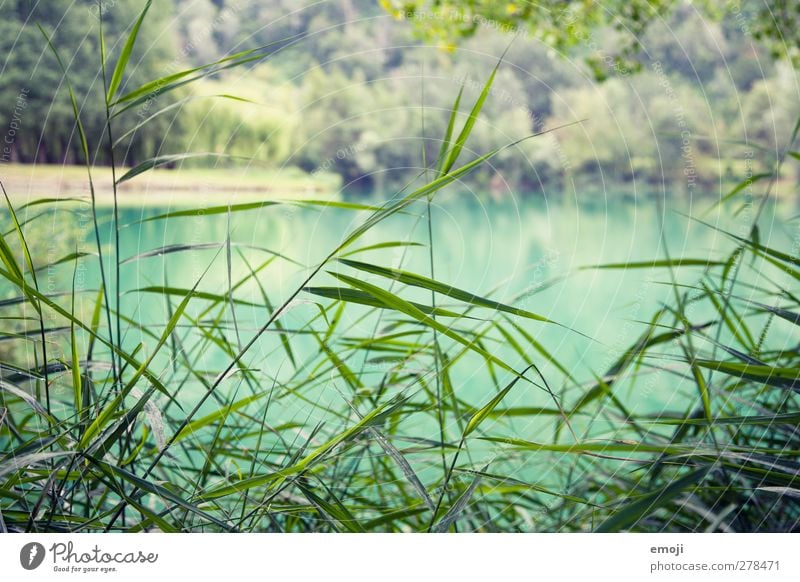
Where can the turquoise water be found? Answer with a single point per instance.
(499, 249)
(532, 253)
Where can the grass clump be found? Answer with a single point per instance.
(349, 417)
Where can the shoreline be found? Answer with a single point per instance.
(26, 183)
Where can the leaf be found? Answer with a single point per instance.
(94, 325)
(524, 485)
(125, 55)
(700, 381)
(421, 192)
(180, 292)
(122, 427)
(659, 263)
(212, 210)
(337, 511)
(68, 258)
(788, 491)
(162, 161)
(487, 409)
(646, 504)
(791, 418)
(112, 407)
(442, 157)
(7, 257)
(363, 298)
(780, 312)
(25, 397)
(779, 377)
(746, 183)
(158, 490)
(168, 249)
(461, 140)
(196, 425)
(371, 419)
(180, 247)
(18, 462)
(74, 102)
(458, 507)
(432, 285)
(23, 243)
(179, 103)
(285, 341)
(405, 467)
(385, 245)
(77, 383)
(738, 328)
(172, 81)
(597, 447)
(403, 306)
(334, 204)
(401, 461)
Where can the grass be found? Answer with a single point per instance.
(243, 411)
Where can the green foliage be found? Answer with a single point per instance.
(46, 125)
(199, 424)
(566, 25)
(348, 99)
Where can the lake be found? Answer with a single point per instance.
(534, 247)
(324, 365)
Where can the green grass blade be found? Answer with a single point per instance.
(157, 490)
(458, 507)
(461, 140)
(125, 55)
(211, 210)
(211, 418)
(364, 298)
(395, 302)
(373, 418)
(158, 161)
(781, 377)
(646, 504)
(425, 283)
(336, 511)
(659, 263)
(448, 136)
(482, 414)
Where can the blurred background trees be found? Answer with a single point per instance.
(343, 92)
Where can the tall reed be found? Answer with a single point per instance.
(99, 434)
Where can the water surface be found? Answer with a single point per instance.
(530, 252)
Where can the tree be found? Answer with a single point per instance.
(44, 129)
(567, 25)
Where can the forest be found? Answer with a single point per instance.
(308, 101)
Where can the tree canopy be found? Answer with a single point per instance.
(565, 25)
